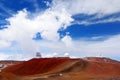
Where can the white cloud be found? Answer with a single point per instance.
(88, 7)
(82, 48)
(45, 23)
(67, 40)
(22, 29)
(4, 44)
(99, 9)
(98, 22)
(66, 55)
(108, 48)
(54, 54)
(4, 56)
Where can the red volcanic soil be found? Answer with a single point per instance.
(104, 66)
(98, 68)
(101, 59)
(37, 66)
(86, 67)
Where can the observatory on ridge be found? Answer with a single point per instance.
(38, 55)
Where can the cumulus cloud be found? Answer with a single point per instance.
(22, 29)
(67, 40)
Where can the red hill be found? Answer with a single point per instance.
(37, 66)
(67, 68)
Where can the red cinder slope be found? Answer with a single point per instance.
(36, 66)
(101, 59)
(104, 66)
(92, 66)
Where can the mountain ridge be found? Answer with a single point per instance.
(65, 68)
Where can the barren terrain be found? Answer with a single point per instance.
(63, 68)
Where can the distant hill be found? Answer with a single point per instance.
(6, 63)
(64, 68)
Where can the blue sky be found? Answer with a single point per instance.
(58, 27)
